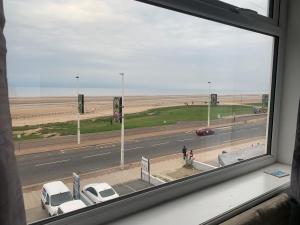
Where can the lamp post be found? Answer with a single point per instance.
(78, 114)
(122, 126)
(209, 102)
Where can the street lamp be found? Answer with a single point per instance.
(209, 102)
(78, 114)
(122, 126)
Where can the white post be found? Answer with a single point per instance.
(78, 114)
(209, 102)
(122, 127)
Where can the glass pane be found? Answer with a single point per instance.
(260, 6)
(187, 82)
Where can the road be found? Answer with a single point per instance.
(41, 167)
(70, 141)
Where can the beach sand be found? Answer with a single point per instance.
(42, 110)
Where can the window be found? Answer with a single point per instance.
(198, 95)
(59, 212)
(260, 6)
(47, 199)
(107, 193)
(58, 199)
(92, 191)
(44, 193)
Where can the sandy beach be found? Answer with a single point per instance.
(42, 110)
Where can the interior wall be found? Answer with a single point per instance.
(290, 85)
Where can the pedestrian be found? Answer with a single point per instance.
(184, 149)
(191, 154)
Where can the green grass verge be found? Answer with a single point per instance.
(149, 118)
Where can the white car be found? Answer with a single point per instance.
(99, 192)
(54, 194)
(70, 206)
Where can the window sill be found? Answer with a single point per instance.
(212, 202)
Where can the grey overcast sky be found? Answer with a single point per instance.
(51, 41)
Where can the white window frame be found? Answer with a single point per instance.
(227, 14)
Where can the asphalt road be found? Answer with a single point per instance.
(41, 167)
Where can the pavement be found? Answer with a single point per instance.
(127, 180)
(42, 167)
(37, 213)
(70, 142)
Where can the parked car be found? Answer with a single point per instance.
(54, 194)
(99, 192)
(204, 132)
(70, 206)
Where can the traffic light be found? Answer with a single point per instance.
(214, 99)
(81, 103)
(117, 109)
(265, 100)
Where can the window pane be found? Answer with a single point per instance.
(196, 92)
(260, 6)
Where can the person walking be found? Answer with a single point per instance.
(184, 150)
(191, 154)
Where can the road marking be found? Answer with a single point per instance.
(130, 149)
(131, 188)
(188, 132)
(225, 128)
(163, 143)
(232, 140)
(28, 157)
(230, 132)
(49, 163)
(188, 139)
(101, 154)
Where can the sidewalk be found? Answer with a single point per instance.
(70, 142)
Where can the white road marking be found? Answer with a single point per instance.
(233, 140)
(101, 154)
(163, 143)
(131, 188)
(28, 157)
(49, 163)
(188, 139)
(230, 132)
(130, 149)
(225, 128)
(188, 132)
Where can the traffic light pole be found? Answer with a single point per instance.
(122, 127)
(209, 102)
(78, 114)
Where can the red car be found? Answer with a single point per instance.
(204, 132)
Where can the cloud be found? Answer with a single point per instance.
(51, 40)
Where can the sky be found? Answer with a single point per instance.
(50, 42)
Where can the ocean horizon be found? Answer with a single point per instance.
(20, 92)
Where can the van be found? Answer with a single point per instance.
(54, 194)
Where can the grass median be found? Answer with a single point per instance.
(149, 118)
